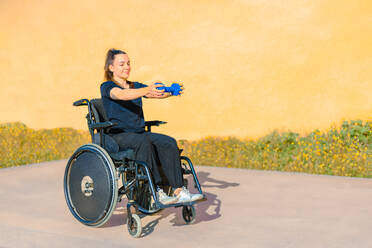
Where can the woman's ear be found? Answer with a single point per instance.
(111, 68)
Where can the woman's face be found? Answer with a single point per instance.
(120, 66)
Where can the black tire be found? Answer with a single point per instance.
(90, 185)
(188, 214)
(134, 226)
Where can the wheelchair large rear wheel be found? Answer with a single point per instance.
(90, 185)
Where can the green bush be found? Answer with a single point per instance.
(343, 151)
(21, 145)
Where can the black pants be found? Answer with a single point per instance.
(156, 150)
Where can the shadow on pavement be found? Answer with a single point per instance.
(210, 209)
(205, 211)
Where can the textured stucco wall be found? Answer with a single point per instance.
(248, 66)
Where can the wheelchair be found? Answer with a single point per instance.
(98, 175)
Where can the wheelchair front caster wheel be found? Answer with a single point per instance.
(134, 225)
(188, 214)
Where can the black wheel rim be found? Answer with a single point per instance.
(187, 213)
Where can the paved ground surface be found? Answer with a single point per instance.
(245, 208)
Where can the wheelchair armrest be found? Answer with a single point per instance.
(154, 123)
(81, 102)
(101, 125)
(148, 124)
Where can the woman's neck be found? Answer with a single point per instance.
(121, 82)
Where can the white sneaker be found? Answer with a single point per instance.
(164, 198)
(195, 197)
(186, 196)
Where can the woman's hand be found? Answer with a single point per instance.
(153, 92)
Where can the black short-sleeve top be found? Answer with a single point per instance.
(127, 114)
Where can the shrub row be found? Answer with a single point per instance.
(22, 145)
(343, 151)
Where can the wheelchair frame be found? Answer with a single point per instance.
(134, 174)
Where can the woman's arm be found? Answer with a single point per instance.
(164, 95)
(130, 94)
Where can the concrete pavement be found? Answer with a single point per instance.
(245, 208)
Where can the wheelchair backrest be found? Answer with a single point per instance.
(99, 115)
(98, 110)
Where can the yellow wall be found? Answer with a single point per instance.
(248, 66)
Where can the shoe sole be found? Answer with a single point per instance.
(197, 198)
(168, 202)
(183, 201)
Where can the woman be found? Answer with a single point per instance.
(122, 101)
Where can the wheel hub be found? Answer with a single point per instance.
(87, 186)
